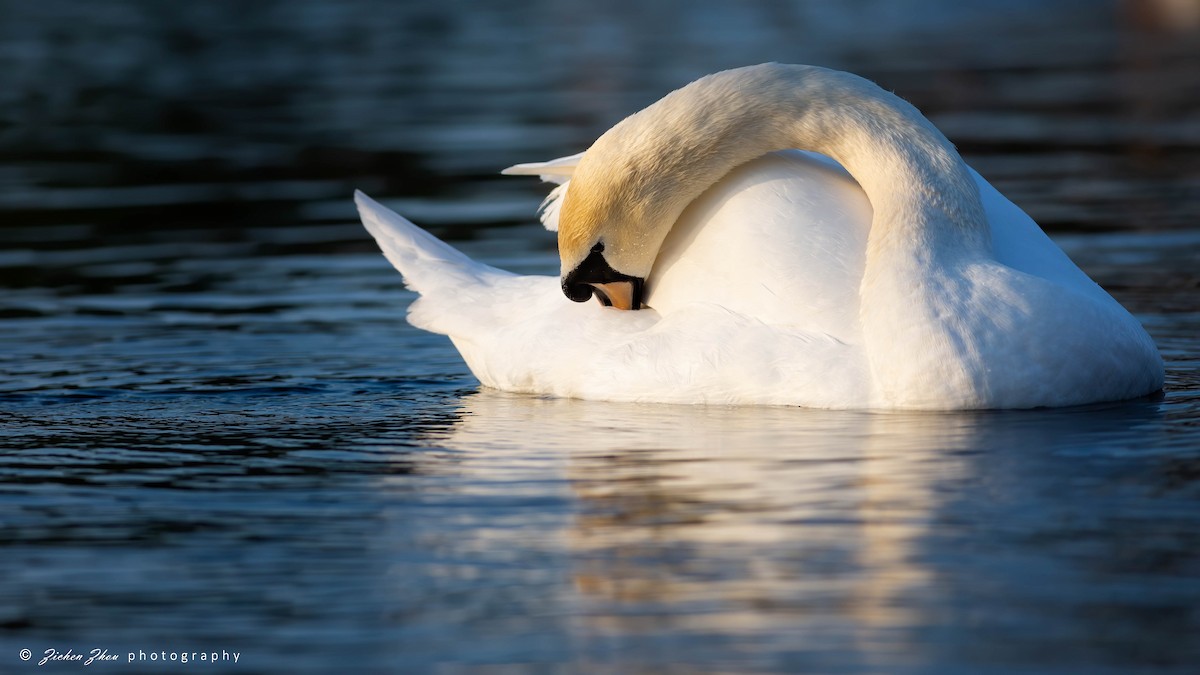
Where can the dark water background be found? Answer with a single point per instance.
(217, 432)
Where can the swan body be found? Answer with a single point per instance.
(873, 270)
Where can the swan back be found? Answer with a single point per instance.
(781, 238)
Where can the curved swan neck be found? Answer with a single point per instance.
(665, 156)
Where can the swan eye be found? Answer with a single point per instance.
(598, 248)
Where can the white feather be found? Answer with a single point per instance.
(557, 171)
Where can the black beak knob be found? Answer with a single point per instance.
(594, 276)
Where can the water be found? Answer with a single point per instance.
(219, 435)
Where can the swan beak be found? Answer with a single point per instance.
(619, 294)
(594, 276)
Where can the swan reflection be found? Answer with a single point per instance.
(831, 530)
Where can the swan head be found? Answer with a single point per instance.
(614, 218)
(609, 233)
(630, 187)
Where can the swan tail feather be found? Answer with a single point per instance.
(557, 171)
(430, 266)
(554, 171)
(462, 298)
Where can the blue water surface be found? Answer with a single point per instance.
(218, 435)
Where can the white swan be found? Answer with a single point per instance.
(903, 281)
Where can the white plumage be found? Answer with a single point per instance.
(780, 284)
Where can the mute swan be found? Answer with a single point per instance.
(890, 276)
